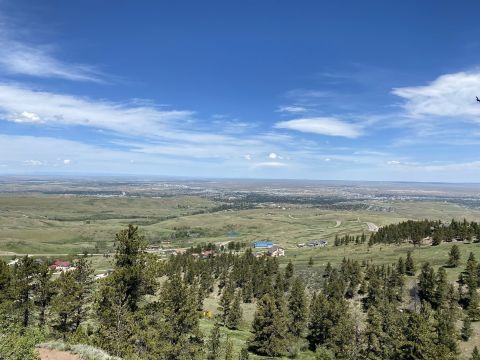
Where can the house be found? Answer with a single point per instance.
(59, 265)
(263, 244)
(275, 251)
(317, 243)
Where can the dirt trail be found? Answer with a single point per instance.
(49, 354)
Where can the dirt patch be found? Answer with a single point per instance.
(49, 354)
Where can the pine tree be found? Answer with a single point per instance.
(213, 345)
(341, 339)
(235, 314)
(328, 270)
(426, 283)
(310, 261)
(466, 330)
(178, 330)
(297, 308)
(83, 277)
(409, 265)
(318, 324)
(401, 266)
(247, 291)
(244, 355)
(446, 332)
(475, 354)
(419, 336)
(120, 293)
(331, 325)
(471, 276)
(116, 321)
(43, 292)
(269, 329)
(226, 301)
(375, 291)
(442, 289)
(289, 270)
(22, 289)
(437, 238)
(228, 349)
(64, 304)
(130, 264)
(6, 296)
(454, 256)
(473, 307)
(374, 335)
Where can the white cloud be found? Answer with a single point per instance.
(270, 164)
(26, 117)
(272, 155)
(307, 93)
(19, 58)
(248, 157)
(327, 159)
(32, 163)
(450, 95)
(67, 162)
(20, 104)
(393, 162)
(292, 109)
(322, 125)
(17, 152)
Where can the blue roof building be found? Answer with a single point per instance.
(263, 244)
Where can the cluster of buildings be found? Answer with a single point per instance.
(204, 254)
(271, 249)
(314, 244)
(59, 266)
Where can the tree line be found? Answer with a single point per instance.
(415, 231)
(149, 308)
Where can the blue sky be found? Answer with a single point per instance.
(369, 90)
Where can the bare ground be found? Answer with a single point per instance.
(49, 354)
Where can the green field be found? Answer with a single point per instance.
(55, 226)
(38, 224)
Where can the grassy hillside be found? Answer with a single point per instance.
(67, 225)
(62, 225)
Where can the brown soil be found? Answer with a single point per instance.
(48, 354)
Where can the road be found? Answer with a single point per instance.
(372, 227)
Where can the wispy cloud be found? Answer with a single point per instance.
(450, 95)
(292, 109)
(20, 55)
(23, 105)
(33, 163)
(270, 164)
(307, 93)
(322, 125)
(22, 59)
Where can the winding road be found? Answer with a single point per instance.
(372, 227)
